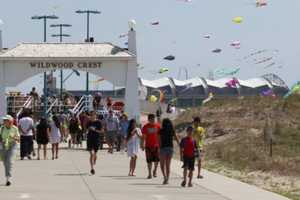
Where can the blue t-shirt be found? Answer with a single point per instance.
(124, 127)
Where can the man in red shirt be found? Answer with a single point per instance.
(151, 144)
(188, 149)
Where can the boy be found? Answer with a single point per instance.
(188, 149)
(199, 135)
(151, 144)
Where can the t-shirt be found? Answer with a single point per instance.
(26, 124)
(112, 123)
(199, 135)
(97, 126)
(166, 138)
(150, 132)
(7, 135)
(124, 127)
(188, 144)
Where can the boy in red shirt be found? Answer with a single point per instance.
(151, 144)
(188, 149)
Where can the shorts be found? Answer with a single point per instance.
(152, 154)
(189, 163)
(93, 143)
(166, 151)
(110, 136)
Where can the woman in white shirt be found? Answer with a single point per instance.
(55, 136)
(133, 144)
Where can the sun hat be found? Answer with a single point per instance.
(7, 117)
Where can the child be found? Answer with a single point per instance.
(133, 143)
(188, 149)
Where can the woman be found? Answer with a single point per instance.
(133, 142)
(166, 136)
(9, 137)
(55, 136)
(42, 137)
(74, 130)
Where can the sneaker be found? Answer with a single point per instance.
(183, 183)
(93, 171)
(8, 183)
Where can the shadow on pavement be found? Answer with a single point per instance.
(145, 184)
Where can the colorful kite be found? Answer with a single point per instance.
(261, 3)
(219, 73)
(236, 44)
(163, 70)
(232, 83)
(294, 89)
(238, 20)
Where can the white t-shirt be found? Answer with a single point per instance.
(25, 124)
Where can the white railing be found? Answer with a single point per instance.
(85, 103)
(27, 104)
(54, 103)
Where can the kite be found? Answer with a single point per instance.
(126, 43)
(217, 50)
(154, 23)
(232, 83)
(207, 36)
(236, 44)
(98, 80)
(264, 60)
(238, 20)
(225, 72)
(170, 58)
(152, 99)
(270, 65)
(186, 1)
(123, 35)
(294, 89)
(163, 70)
(261, 3)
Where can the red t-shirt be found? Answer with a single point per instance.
(188, 145)
(150, 132)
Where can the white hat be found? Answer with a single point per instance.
(7, 117)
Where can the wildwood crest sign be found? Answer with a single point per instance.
(65, 65)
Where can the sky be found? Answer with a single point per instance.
(180, 33)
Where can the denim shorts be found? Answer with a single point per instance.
(166, 151)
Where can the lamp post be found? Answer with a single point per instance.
(61, 35)
(87, 12)
(45, 18)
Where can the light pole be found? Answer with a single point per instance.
(45, 18)
(87, 12)
(61, 35)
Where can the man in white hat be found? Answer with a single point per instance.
(9, 137)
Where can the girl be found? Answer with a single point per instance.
(166, 136)
(74, 131)
(42, 136)
(55, 136)
(133, 141)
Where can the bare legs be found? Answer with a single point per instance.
(165, 165)
(185, 173)
(54, 151)
(150, 169)
(93, 159)
(44, 151)
(132, 165)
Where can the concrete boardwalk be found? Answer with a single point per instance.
(69, 178)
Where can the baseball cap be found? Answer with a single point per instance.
(7, 117)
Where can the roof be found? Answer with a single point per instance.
(193, 81)
(255, 82)
(162, 82)
(220, 83)
(66, 50)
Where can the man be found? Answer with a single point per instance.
(199, 135)
(94, 128)
(112, 127)
(26, 128)
(150, 143)
(9, 137)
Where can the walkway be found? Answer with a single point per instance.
(68, 179)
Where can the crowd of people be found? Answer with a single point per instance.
(155, 138)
